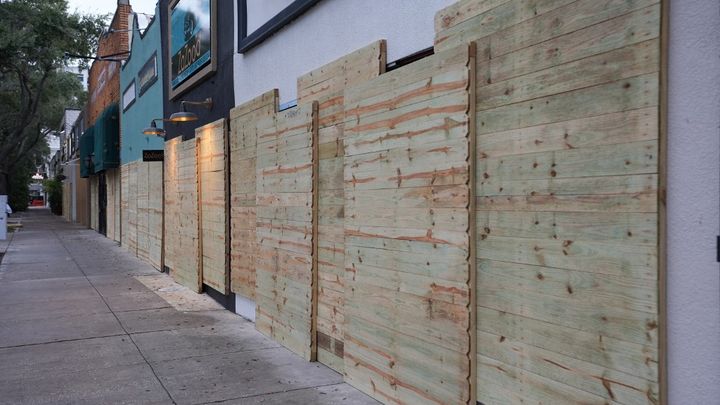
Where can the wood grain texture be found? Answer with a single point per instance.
(210, 141)
(128, 205)
(568, 207)
(244, 129)
(407, 232)
(142, 210)
(182, 245)
(285, 175)
(326, 85)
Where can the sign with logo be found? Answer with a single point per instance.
(192, 45)
(153, 155)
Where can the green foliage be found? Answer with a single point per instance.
(21, 176)
(19, 195)
(35, 35)
(54, 190)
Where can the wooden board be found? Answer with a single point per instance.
(326, 85)
(94, 202)
(128, 206)
(408, 323)
(155, 213)
(142, 210)
(568, 175)
(112, 177)
(284, 228)
(243, 135)
(212, 191)
(182, 246)
(142, 195)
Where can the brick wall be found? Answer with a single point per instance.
(104, 77)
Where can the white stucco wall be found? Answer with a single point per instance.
(329, 30)
(693, 287)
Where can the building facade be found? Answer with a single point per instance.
(141, 81)
(102, 118)
(446, 202)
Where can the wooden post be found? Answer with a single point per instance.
(198, 179)
(315, 203)
(472, 222)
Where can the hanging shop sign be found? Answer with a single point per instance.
(192, 43)
(153, 155)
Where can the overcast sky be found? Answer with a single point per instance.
(109, 6)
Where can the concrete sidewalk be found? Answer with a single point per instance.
(82, 321)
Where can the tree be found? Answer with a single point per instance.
(35, 35)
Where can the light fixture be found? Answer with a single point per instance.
(185, 116)
(153, 129)
(37, 176)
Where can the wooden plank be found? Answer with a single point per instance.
(461, 11)
(155, 213)
(285, 262)
(568, 152)
(662, 203)
(212, 199)
(629, 94)
(407, 301)
(329, 81)
(242, 152)
(181, 213)
(327, 85)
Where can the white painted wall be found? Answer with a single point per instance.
(693, 283)
(331, 29)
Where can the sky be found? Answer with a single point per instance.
(109, 6)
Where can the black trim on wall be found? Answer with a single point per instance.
(413, 57)
(275, 24)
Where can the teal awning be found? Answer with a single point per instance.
(87, 150)
(107, 139)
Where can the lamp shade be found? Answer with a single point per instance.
(183, 116)
(154, 130)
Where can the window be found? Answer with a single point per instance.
(260, 19)
(128, 97)
(147, 74)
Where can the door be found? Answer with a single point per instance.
(102, 204)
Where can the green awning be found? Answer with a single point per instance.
(87, 150)
(107, 139)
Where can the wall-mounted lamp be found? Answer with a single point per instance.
(185, 116)
(153, 129)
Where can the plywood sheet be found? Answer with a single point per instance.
(143, 199)
(141, 205)
(112, 177)
(128, 206)
(284, 227)
(244, 120)
(326, 85)
(182, 246)
(94, 207)
(155, 213)
(568, 207)
(213, 205)
(407, 171)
